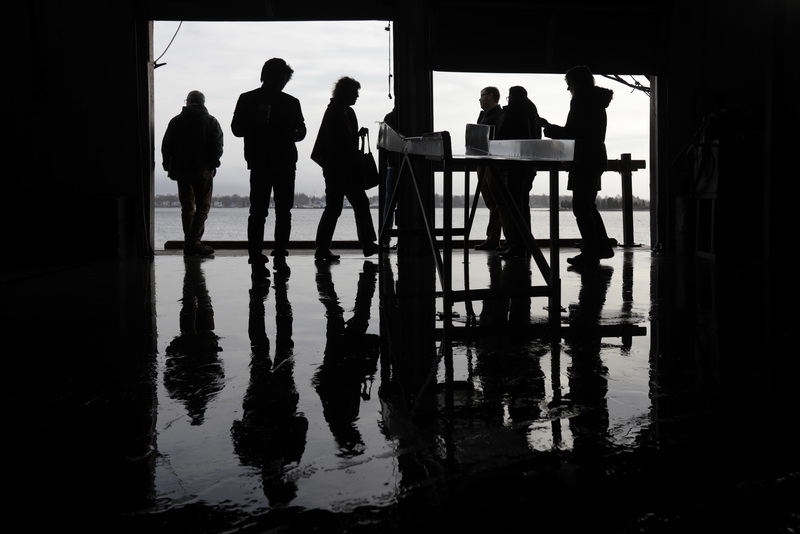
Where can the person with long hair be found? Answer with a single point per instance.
(336, 150)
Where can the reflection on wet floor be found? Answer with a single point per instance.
(193, 373)
(330, 399)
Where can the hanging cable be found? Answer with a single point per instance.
(156, 64)
(388, 28)
(635, 85)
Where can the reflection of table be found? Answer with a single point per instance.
(549, 271)
(546, 155)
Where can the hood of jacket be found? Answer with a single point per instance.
(601, 96)
(195, 109)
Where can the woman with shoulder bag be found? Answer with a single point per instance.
(336, 150)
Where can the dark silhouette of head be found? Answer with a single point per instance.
(276, 73)
(517, 93)
(494, 91)
(490, 97)
(195, 97)
(579, 78)
(346, 88)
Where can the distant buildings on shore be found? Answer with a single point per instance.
(303, 201)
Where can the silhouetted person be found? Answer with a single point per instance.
(350, 357)
(336, 151)
(491, 114)
(191, 149)
(193, 374)
(586, 124)
(519, 122)
(271, 435)
(271, 122)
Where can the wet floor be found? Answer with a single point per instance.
(173, 394)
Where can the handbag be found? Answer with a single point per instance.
(367, 168)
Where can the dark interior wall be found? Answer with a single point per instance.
(721, 64)
(547, 37)
(80, 146)
(782, 137)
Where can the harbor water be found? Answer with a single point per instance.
(230, 224)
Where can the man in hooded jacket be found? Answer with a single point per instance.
(586, 124)
(191, 149)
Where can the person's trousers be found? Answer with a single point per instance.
(279, 184)
(338, 185)
(194, 193)
(489, 191)
(520, 183)
(590, 223)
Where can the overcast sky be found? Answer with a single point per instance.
(224, 59)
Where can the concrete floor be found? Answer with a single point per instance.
(172, 395)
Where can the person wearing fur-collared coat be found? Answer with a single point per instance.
(336, 151)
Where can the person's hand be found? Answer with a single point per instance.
(542, 122)
(363, 131)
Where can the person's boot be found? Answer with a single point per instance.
(325, 255)
(255, 242)
(197, 249)
(187, 219)
(370, 249)
(198, 227)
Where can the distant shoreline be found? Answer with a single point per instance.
(303, 201)
(171, 206)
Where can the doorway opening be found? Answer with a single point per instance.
(224, 60)
(456, 94)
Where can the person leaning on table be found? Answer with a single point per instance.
(586, 124)
(492, 115)
(519, 122)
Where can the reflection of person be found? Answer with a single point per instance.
(194, 375)
(584, 317)
(491, 114)
(271, 435)
(519, 122)
(509, 402)
(508, 352)
(512, 312)
(271, 122)
(191, 150)
(586, 124)
(588, 375)
(350, 357)
(336, 151)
